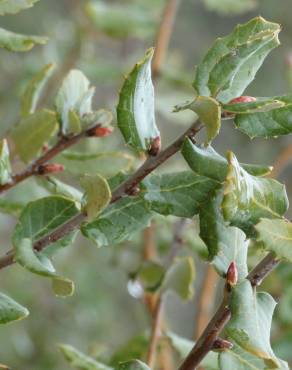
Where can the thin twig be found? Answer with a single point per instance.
(126, 188)
(64, 143)
(222, 316)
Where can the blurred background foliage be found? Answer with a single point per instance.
(104, 40)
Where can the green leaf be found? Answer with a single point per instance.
(239, 359)
(180, 194)
(274, 122)
(119, 222)
(121, 20)
(97, 195)
(135, 111)
(5, 167)
(208, 111)
(133, 365)
(276, 236)
(230, 7)
(79, 360)
(207, 162)
(33, 132)
(75, 95)
(11, 310)
(180, 277)
(232, 62)
(225, 243)
(15, 6)
(150, 275)
(260, 105)
(39, 219)
(34, 89)
(250, 324)
(106, 164)
(17, 42)
(248, 198)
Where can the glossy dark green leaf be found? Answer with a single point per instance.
(179, 194)
(276, 236)
(5, 166)
(17, 42)
(135, 111)
(79, 360)
(11, 310)
(232, 62)
(250, 324)
(119, 222)
(33, 132)
(15, 6)
(248, 198)
(34, 89)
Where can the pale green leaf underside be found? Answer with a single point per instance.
(119, 222)
(17, 42)
(34, 89)
(180, 194)
(232, 62)
(15, 6)
(5, 166)
(250, 324)
(276, 236)
(135, 110)
(33, 132)
(230, 7)
(248, 198)
(79, 360)
(133, 365)
(11, 310)
(179, 278)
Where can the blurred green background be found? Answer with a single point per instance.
(104, 313)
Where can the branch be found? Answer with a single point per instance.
(126, 188)
(64, 143)
(206, 341)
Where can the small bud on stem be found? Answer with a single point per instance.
(232, 274)
(243, 99)
(99, 131)
(45, 169)
(221, 345)
(155, 146)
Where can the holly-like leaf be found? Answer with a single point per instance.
(15, 6)
(133, 365)
(11, 310)
(17, 42)
(107, 164)
(179, 194)
(34, 89)
(79, 360)
(276, 236)
(121, 20)
(230, 7)
(73, 101)
(208, 111)
(274, 122)
(97, 195)
(118, 222)
(39, 219)
(207, 162)
(232, 62)
(33, 132)
(135, 111)
(250, 324)
(239, 359)
(257, 106)
(248, 198)
(5, 167)
(225, 243)
(180, 277)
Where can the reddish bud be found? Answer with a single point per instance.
(221, 345)
(155, 146)
(242, 99)
(134, 191)
(44, 169)
(100, 131)
(232, 274)
(45, 148)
